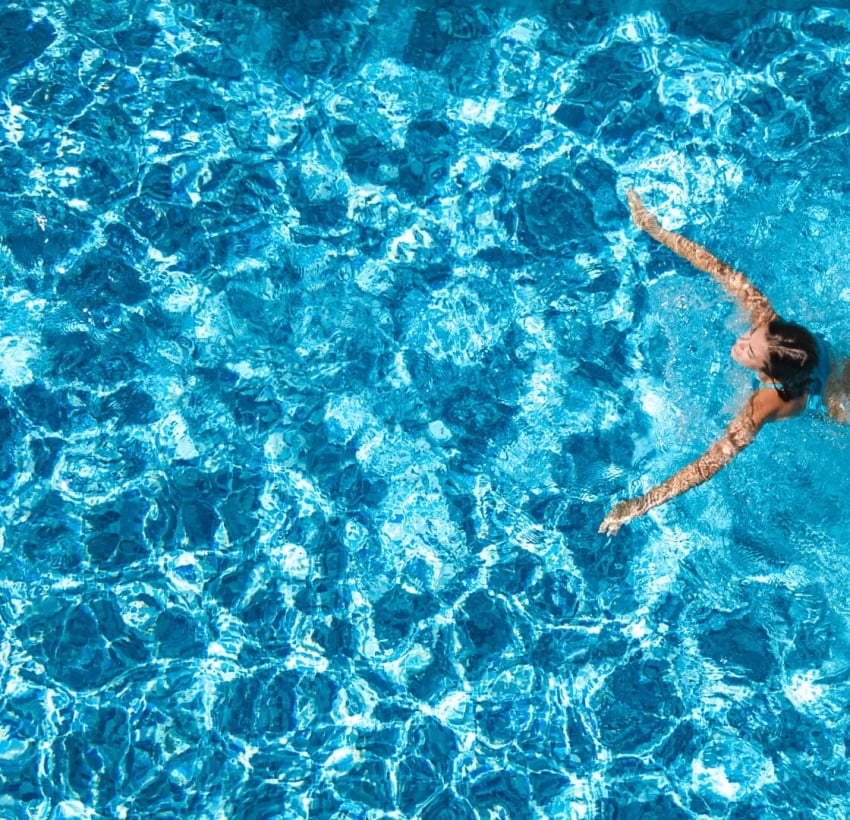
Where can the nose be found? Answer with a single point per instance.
(738, 350)
(742, 341)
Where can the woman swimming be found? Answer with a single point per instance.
(793, 365)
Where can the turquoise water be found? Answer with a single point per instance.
(327, 343)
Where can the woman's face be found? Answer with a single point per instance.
(751, 350)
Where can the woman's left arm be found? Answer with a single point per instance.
(763, 406)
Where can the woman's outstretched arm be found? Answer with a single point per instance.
(763, 406)
(735, 282)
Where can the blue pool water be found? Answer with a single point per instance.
(325, 345)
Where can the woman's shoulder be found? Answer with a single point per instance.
(768, 405)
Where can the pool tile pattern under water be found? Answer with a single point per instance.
(325, 343)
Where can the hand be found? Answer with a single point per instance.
(642, 218)
(622, 512)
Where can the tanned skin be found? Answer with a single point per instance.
(763, 405)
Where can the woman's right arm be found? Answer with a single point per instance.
(735, 282)
(763, 406)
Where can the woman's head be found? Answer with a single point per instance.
(784, 352)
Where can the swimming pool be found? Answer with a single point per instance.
(326, 344)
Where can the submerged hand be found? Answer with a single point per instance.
(642, 218)
(622, 512)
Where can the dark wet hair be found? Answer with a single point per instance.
(793, 358)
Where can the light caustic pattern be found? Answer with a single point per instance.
(325, 344)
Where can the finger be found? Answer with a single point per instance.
(608, 527)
